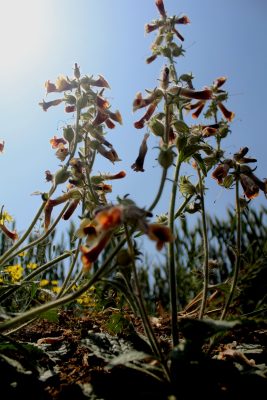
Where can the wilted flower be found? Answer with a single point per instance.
(138, 165)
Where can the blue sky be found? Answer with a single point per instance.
(42, 39)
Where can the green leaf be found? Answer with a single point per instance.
(200, 162)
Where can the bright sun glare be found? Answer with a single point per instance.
(21, 30)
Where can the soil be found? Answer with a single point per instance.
(78, 356)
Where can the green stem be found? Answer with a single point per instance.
(161, 186)
(24, 236)
(41, 238)
(68, 277)
(182, 206)
(205, 248)
(171, 258)
(34, 312)
(37, 271)
(237, 254)
(142, 309)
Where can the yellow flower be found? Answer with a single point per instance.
(32, 265)
(5, 217)
(23, 254)
(56, 289)
(15, 272)
(44, 282)
(1, 280)
(86, 299)
(55, 283)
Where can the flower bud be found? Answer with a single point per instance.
(186, 187)
(61, 176)
(181, 141)
(68, 133)
(156, 127)
(166, 157)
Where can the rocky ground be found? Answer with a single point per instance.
(78, 356)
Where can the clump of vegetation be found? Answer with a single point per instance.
(209, 273)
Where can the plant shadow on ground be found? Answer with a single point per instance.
(78, 357)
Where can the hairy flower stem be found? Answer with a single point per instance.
(205, 248)
(37, 311)
(161, 186)
(237, 253)
(182, 206)
(142, 308)
(71, 268)
(171, 258)
(25, 235)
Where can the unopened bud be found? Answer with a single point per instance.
(68, 133)
(166, 157)
(61, 176)
(156, 127)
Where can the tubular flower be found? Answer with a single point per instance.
(251, 183)
(119, 175)
(138, 165)
(11, 234)
(70, 210)
(47, 104)
(87, 229)
(161, 8)
(218, 96)
(51, 203)
(2, 145)
(62, 84)
(251, 189)
(140, 102)
(100, 82)
(221, 171)
(159, 233)
(164, 21)
(90, 255)
(70, 109)
(150, 111)
(109, 219)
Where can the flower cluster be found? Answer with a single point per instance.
(231, 169)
